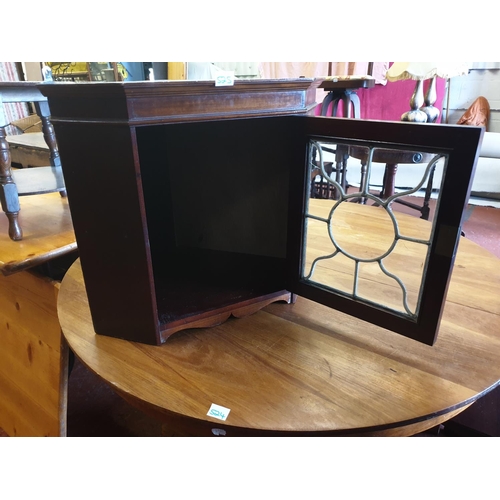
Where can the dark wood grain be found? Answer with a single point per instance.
(461, 147)
(178, 101)
(159, 173)
(151, 151)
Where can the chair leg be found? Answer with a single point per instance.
(341, 157)
(428, 191)
(9, 197)
(389, 182)
(363, 185)
(42, 109)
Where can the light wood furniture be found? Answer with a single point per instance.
(18, 183)
(33, 354)
(305, 369)
(176, 70)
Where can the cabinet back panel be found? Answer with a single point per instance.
(206, 183)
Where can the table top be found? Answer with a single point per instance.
(347, 82)
(305, 369)
(47, 233)
(33, 140)
(21, 92)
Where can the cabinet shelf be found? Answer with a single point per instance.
(199, 281)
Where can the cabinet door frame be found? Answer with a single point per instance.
(461, 145)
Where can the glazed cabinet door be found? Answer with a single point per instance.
(357, 242)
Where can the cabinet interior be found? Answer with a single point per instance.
(216, 200)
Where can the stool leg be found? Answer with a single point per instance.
(356, 105)
(346, 100)
(326, 102)
(42, 110)
(335, 106)
(9, 197)
(49, 135)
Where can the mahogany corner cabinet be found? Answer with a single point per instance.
(191, 202)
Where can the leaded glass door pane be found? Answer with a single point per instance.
(379, 241)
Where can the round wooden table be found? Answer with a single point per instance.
(304, 369)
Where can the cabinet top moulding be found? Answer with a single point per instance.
(178, 101)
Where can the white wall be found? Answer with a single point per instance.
(32, 71)
(241, 69)
(464, 90)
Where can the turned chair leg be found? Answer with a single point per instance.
(42, 110)
(9, 197)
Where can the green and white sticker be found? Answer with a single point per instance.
(217, 411)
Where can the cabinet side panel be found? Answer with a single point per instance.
(105, 198)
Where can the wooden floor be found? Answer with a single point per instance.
(95, 410)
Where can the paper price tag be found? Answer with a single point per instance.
(219, 412)
(224, 78)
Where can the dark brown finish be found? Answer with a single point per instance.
(49, 179)
(462, 151)
(344, 91)
(136, 222)
(196, 215)
(337, 83)
(177, 101)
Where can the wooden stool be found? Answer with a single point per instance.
(341, 90)
(26, 181)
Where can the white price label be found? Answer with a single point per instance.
(219, 412)
(224, 78)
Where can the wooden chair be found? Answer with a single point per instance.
(32, 181)
(320, 187)
(392, 158)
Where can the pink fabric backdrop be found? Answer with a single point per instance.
(390, 101)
